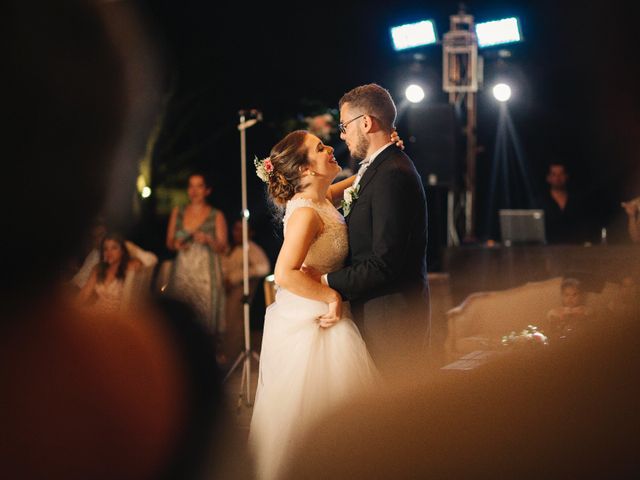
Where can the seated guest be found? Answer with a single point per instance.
(573, 312)
(632, 208)
(564, 210)
(259, 266)
(105, 288)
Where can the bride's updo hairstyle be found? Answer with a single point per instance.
(288, 157)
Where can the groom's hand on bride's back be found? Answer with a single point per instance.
(332, 316)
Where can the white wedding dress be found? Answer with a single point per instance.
(305, 370)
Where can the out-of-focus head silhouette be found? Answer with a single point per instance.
(66, 95)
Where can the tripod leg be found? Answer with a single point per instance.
(235, 365)
(241, 396)
(248, 360)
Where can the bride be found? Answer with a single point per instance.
(312, 355)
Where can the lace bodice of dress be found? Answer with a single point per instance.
(330, 248)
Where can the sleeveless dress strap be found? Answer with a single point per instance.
(293, 205)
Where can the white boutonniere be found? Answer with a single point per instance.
(348, 197)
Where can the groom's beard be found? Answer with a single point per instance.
(360, 149)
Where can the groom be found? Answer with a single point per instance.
(386, 277)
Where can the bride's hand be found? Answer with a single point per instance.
(395, 138)
(332, 316)
(311, 272)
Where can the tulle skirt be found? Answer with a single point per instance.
(305, 371)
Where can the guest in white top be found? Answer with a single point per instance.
(259, 264)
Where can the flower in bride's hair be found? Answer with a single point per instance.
(264, 168)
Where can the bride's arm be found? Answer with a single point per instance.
(302, 227)
(334, 194)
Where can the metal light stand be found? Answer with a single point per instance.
(461, 79)
(246, 355)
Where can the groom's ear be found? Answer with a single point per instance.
(368, 123)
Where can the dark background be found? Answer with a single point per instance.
(574, 93)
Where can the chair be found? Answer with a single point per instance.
(269, 286)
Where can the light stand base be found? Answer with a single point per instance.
(244, 395)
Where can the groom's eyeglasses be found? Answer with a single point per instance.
(343, 126)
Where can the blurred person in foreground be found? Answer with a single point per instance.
(104, 396)
(566, 410)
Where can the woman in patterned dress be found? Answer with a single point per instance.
(198, 232)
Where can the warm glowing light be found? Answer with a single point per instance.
(146, 192)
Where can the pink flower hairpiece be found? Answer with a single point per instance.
(264, 168)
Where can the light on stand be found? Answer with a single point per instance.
(498, 32)
(413, 35)
(502, 92)
(414, 93)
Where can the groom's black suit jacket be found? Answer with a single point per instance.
(386, 277)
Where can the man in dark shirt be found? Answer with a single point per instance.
(565, 212)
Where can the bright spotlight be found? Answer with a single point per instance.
(414, 93)
(498, 32)
(146, 192)
(413, 35)
(502, 92)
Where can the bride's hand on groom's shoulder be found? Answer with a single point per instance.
(332, 316)
(395, 138)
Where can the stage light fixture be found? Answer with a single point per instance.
(498, 32)
(502, 92)
(414, 93)
(413, 35)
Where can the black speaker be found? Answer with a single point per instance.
(437, 196)
(433, 139)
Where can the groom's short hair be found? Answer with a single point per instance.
(373, 100)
